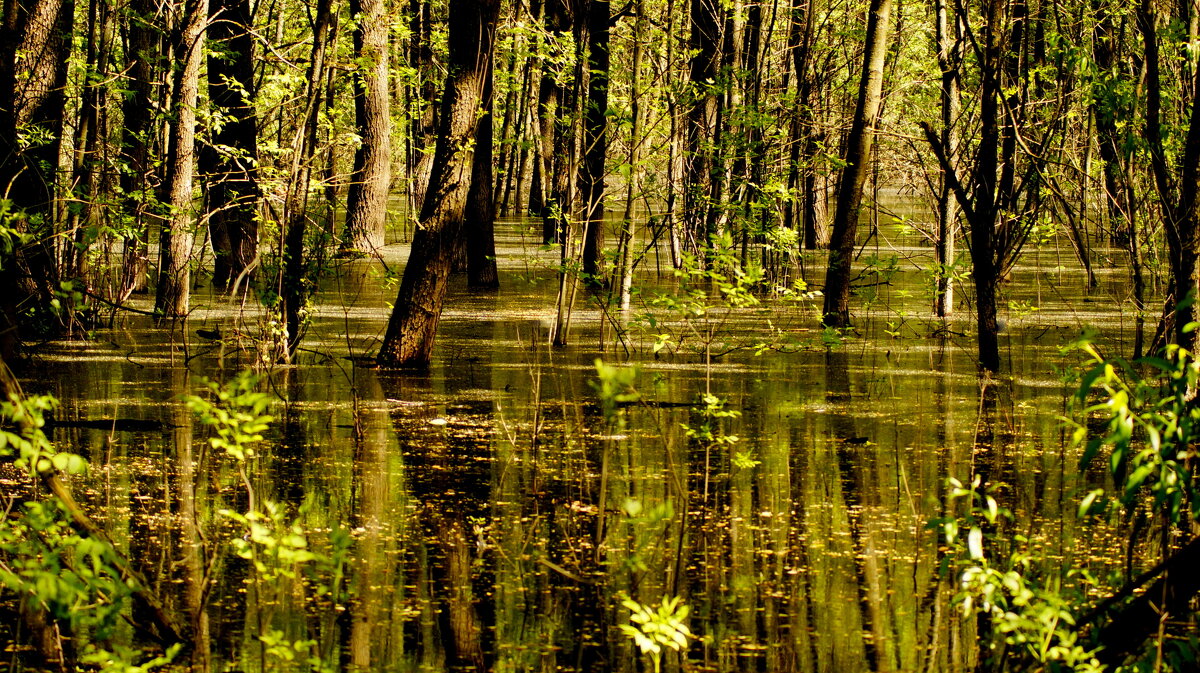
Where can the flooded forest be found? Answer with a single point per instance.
(578, 336)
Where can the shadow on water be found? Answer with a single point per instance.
(491, 516)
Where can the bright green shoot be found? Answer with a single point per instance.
(653, 627)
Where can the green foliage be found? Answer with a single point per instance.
(614, 385)
(236, 412)
(275, 544)
(711, 292)
(653, 627)
(642, 519)
(1149, 424)
(10, 237)
(708, 431)
(73, 579)
(1029, 615)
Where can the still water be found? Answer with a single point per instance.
(489, 515)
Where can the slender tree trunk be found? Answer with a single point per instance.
(139, 180)
(367, 200)
(984, 258)
(595, 140)
(703, 117)
(628, 230)
(231, 160)
(948, 28)
(551, 171)
(1119, 196)
(87, 166)
(175, 243)
(294, 287)
(480, 221)
(857, 157)
(1178, 194)
(412, 328)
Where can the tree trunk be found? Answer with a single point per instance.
(948, 29)
(1178, 197)
(1111, 141)
(175, 243)
(140, 180)
(595, 140)
(628, 257)
(984, 262)
(854, 175)
(33, 68)
(412, 328)
(703, 116)
(480, 217)
(555, 128)
(370, 182)
(294, 286)
(230, 162)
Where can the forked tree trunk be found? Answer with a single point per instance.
(412, 328)
(367, 199)
(857, 156)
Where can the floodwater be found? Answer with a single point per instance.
(490, 515)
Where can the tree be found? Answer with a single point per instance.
(948, 30)
(229, 161)
(480, 216)
(857, 156)
(595, 137)
(175, 242)
(702, 122)
(33, 63)
(412, 327)
(367, 199)
(1176, 180)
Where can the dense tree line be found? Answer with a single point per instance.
(278, 134)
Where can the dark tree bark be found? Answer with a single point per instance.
(412, 328)
(556, 107)
(230, 162)
(140, 180)
(480, 217)
(985, 266)
(703, 114)
(1178, 187)
(988, 198)
(34, 51)
(422, 107)
(367, 199)
(175, 242)
(595, 139)
(857, 156)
